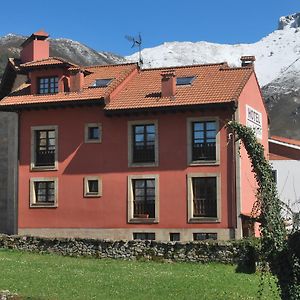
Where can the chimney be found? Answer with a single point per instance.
(76, 80)
(168, 83)
(36, 47)
(247, 61)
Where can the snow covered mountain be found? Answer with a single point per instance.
(68, 49)
(277, 66)
(273, 53)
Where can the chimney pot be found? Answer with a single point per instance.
(168, 83)
(247, 61)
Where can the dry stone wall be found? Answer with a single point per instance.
(232, 252)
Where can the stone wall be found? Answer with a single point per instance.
(8, 171)
(232, 252)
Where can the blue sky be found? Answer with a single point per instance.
(102, 25)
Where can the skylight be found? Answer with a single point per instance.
(185, 80)
(101, 82)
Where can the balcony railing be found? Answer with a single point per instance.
(143, 154)
(45, 158)
(204, 151)
(205, 207)
(144, 209)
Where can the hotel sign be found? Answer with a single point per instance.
(254, 121)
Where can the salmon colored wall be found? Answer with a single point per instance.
(109, 160)
(251, 96)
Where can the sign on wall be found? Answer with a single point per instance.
(254, 120)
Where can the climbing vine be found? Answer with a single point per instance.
(279, 251)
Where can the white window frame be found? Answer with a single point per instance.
(86, 192)
(33, 166)
(33, 203)
(86, 133)
(130, 140)
(130, 214)
(191, 218)
(189, 141)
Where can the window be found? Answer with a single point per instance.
(203, 197)
(143, 143)
(185, 80)
(101, 82)
(92, 186)
(201, 236)
(43, 192)
(44, 147)
(174, 236)
(93, 133)
(143, 199)
(203, 141)
(144, 236)
(47, 85)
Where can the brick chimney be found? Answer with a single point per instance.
(36, 47)
(168, 83)
(247, 61)
(76, 80)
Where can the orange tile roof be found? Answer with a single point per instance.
(285, 140)
(47, 62)
(117, 72)
(215, 83)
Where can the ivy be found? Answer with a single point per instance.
(279, 251)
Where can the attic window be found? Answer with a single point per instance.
(101, 82)
(185, 80)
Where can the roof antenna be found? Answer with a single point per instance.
(136, 42)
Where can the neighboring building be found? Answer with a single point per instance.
(285, 159)
(122, 153)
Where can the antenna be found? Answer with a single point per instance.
(136, 42)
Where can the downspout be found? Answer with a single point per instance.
(237, 181)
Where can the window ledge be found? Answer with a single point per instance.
(92, 141)
(204, 162)
(140, 165)
(92, 196)
(43, 168)
(43, 206)
(143, 221)
(204, 220)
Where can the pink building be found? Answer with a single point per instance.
(122, 153)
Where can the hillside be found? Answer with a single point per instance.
(70, 50)
(277, 67)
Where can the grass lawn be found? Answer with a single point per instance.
(56, 277)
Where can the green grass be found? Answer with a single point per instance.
(57, 277)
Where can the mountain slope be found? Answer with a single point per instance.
(70, 50)
(277, 67)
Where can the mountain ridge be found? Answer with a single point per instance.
(277, 67)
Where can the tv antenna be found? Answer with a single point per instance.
(136, 43)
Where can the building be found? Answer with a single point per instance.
(123, 153)
(285, 159)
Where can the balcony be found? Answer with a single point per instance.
(205, 208)
(45, 158)
(204, 151)
(144, 209)
(144, 154)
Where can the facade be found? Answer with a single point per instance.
(118, 152)
(285, 159)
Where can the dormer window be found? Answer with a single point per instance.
(101, 82)
(185, 80)
(48, 85)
